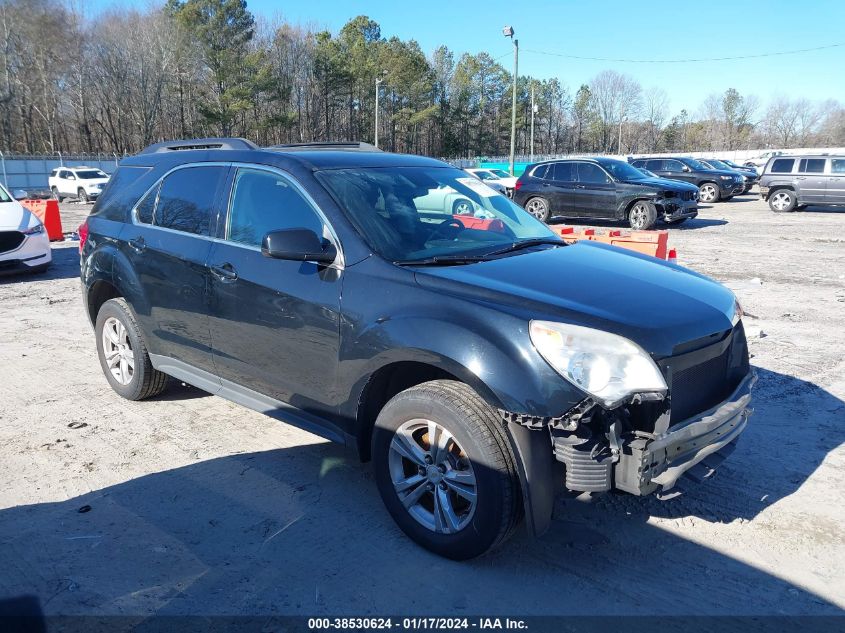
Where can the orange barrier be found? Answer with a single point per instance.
(481, 224)
(48, 212)
(654, 243)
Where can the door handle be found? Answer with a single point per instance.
(224, 272)
(138, 244)
(580, 186)
(801, 178)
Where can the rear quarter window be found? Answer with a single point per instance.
(120, 193)
(540, 171)
(782, 166)
(186, 199)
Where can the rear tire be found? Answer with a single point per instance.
(642, 216)
(423, 487)
(708, 192)
(782, 201)
(123, 353)
(83, 197)
(539, 208)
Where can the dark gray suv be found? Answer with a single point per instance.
(790, 183)
(713, 184)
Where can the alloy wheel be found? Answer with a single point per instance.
(781, 200)
(639, 216)
(432, 476)
(117, 350)
(537, 208)
(708, 193)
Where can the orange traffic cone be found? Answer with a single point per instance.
(673, 256)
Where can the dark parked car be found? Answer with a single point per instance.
(603, 188)
(479, 361)
(791, 183)
(713, 184)
(743, 169)
(748, 174)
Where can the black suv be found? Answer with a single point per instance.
(479, 361)
(713, 184)
(603, 188)
(749, 176)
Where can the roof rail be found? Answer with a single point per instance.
(327, 145)
(199, 143)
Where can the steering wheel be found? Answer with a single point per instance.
(451, 222)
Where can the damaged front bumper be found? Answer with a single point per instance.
(688, 451)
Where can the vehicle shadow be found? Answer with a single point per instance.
(65, 265)
(302, 531)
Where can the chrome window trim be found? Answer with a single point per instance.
(338, 263)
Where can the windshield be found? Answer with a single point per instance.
(501, 173)
(622, 171)
(485, 175)
(91, 173)
(4, 195)
(718, 164)
(416, 213)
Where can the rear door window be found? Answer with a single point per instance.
(782, 166)
(837, 165)
(811, 165)
(564, 172)
(186, 199)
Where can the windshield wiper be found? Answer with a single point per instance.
(443, 260)
(516, 246)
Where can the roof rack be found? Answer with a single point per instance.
(327, 145)
(199, 143)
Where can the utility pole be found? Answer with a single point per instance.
(379, 80)
(619, 147)
(509, 32)
(533, 112)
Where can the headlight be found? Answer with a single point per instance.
(608, 367)
(34, 230)
(726, 177)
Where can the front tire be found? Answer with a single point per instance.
(56, 195)
(709, 192)
(539, 208)
(642, 216)
(782, 201)
(445, 471)
(123, 353)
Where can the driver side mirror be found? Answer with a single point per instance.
(685, 168)
(301, 245)
(20, 194)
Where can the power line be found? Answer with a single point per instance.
(684, 61)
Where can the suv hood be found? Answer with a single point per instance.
(664, 183)
(15, 217)
(725, 172)
(653, 303)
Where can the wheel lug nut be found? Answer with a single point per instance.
(442, 468)
(442, 486)
(428, 459)
(429, 487)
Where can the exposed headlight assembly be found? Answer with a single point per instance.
(608, 367)
(726, 177)
(34, 230)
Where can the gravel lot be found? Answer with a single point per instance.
(200, 506)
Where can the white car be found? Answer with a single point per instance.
(24, 244)
(83, 183)
(759, 162)
(497, 176)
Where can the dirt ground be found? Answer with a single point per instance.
(189, 504)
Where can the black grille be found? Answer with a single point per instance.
(695, 386)
(687, 195)
(10, 240)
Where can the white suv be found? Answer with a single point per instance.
(84, 183)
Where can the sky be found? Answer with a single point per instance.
(617, 29)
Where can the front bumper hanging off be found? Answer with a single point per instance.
(688, 451)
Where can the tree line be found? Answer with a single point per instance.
(196, 68)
